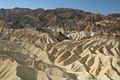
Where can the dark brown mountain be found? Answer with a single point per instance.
(66, 18)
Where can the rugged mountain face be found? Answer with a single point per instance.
(60, 44)
(69, 19)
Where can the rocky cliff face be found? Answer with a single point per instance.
(60, 44)
(65, 18)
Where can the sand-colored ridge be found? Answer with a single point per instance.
(94, 58)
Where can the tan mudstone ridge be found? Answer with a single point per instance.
(95, 58)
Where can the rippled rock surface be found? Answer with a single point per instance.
(89, 51)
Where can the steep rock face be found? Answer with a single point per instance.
(8, 72)
(68, 19)
(80, 35)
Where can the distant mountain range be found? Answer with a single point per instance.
(66, 18)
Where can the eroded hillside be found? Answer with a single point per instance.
(86, 48)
